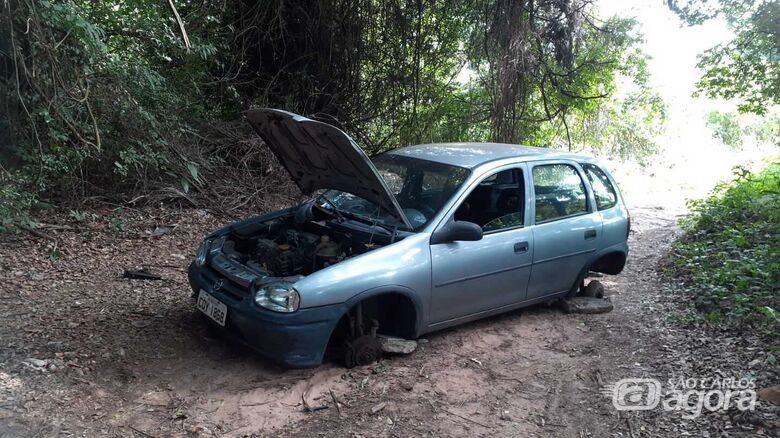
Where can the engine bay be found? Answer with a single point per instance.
(282, 247)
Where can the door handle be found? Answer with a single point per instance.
(590, 234)
(521, 247)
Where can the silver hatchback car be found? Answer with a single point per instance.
(405, 243)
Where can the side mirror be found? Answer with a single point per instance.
(457, 230)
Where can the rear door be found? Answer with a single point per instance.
(613, 218)
(567, 226)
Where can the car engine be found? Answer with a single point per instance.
(282, 248)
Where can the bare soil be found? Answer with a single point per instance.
(87, 352)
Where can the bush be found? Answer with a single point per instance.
(99, 98)
(730, 256)
(725, 127)
(15, 205)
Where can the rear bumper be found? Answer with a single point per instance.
(291, 340)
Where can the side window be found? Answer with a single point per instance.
(559, 192)
(496, 203)
(606, 197)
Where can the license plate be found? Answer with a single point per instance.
(212, 307)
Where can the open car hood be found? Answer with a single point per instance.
(321, 156)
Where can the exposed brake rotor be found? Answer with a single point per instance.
(364, 350)
(362, 347)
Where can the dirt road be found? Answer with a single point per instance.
(85, 352)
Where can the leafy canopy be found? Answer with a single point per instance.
(115, 99)
(748, 67)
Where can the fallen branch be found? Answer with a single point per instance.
(163, 265)
(141, 432)
(256, 404)
(466, 418)
(335, 402)
(42, 225)
(630, 428)
(378, 407)
(181, 26)
(37, 233)
(433, 406)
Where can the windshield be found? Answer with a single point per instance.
(421, 187)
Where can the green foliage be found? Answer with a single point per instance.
(623, 116)
(725, 127)
(766, 130)
(732, 128)
(105, 98)
(15, 205)
(552, 92)
(82, 216)
(118, 220)
(730, 256)
(97, 94)
(747, 67)
(536, 69)
(55, 253)
(626, 126)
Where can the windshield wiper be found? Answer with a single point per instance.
(332, 206)
(391, 229)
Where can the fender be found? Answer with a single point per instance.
(620, 248)
(387, 289)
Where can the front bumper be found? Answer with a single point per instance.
(292, 340)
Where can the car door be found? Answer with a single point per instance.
(613, 218)
(567, 227)
(473, 277)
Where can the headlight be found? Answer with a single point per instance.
(203, 253)
(279, 297)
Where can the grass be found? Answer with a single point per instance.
(729, 257)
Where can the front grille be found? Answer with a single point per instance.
(229, 288)
(232, 270)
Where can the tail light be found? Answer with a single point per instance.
(628, 224)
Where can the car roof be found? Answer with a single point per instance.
(471, 155)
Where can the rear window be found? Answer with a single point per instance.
(605, 194)
(560, 192)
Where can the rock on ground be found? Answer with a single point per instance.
(587, 305)
(392, 344)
